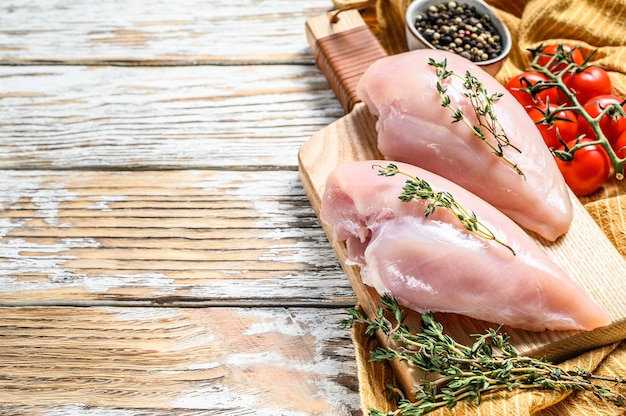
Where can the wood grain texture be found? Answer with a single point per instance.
(158, 361)
(163, 236)
(344, 47)
(76, 117)
(157, 249)
(155, 32)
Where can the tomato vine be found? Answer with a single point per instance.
(559, 83)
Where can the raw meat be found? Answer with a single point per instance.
(433, 264)
(413, 127)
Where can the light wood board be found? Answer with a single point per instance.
(584, 252)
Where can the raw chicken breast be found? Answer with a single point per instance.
(413, 127)
(433, 264)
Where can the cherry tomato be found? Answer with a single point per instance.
(573, 55)
(620, 146)
(520, 86)
(590, 82)
(553, 124)
(587, 171)
(611, 126)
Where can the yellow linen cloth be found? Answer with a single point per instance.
(589, 25)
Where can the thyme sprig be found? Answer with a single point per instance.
(419, 189)
(563, 59)
(482, 103)
(469, 373)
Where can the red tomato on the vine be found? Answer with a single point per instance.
(611, 126)
(620, 146)
(553, 124)
(590, 82)
(573, 55)
(520, 86)
(588, 170)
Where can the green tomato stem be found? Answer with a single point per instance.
(556, 80)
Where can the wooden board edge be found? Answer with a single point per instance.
(555, 345)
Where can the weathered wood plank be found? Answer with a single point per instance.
(155, 32)
(167, 178)
(163, 236)
(160, 118)
(158, 361)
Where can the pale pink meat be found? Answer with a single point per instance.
(433, 264)
(413, 127)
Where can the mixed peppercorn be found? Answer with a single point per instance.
(459, 28)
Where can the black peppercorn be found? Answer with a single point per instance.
(461, 29)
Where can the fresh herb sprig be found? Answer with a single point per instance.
(563, 59)
(482, 103)
(469, 373)
(419, 189)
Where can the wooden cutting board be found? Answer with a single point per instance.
(343, 51)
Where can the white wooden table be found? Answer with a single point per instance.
(158, 255)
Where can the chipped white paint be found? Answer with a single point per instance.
(204, 366)
(46, 199)
(143, 314)
(102, 202)
(13, 263)
(298, 253)
(276, 213)
(268, 195)
(118, 212)
(195, 116)
(300, 323)
(120, 31)
(165, 183)
(14, 245)
(257, 358)
(64, 278)
(6, 225)
(14, 186)
(84, 410)
(157, 283)
(216, 397)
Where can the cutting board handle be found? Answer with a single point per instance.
(343, 51)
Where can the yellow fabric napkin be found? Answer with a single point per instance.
(589, 25)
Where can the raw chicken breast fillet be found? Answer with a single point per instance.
(413, 127)
(433, 264)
